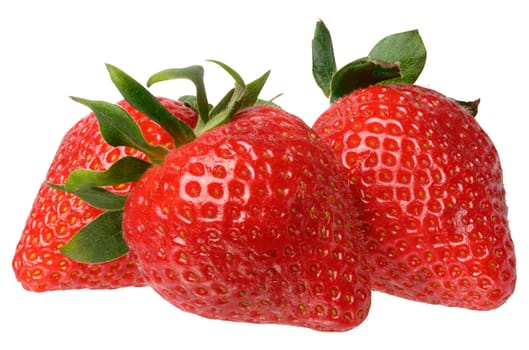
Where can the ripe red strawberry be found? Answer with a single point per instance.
(247, 220)
(250, 222)
(56, 216)
(428, 183)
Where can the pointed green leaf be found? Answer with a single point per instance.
(241, 96)
(269, 102)
(146, 103)
(223, 103)
(96, 197)
(86, 184)
(119, 129)
(323, 60)
(253, 90)
(246, 96)
(225, 115)
(407, 49)
(226, 107)
(266, 103)
(56, 186)
(193, 73)
(359, 74)
(123, 170)
(99, 241)
(233, 100)
(101, 198)
(236, 76)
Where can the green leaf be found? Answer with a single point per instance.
(269, 102)
(238, 79)
(241, 96)
(101, 198)
(253, 90)
(119, 129)
(123, 170)
(193, 73)
(99, 241)
(407, 49)
(323, 60)
(146, 103)
(359, 74)
(223, 103)
(191, 101)
(260, 102)
(225, 114)
(86, 184)
(228, 98)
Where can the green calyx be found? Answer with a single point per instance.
(102, 239)
(398, 58)
(88, 184)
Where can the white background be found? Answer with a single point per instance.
(50, 50)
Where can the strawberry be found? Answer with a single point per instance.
(56, 216)
(248, 223)
(427, 181)
(246, 220)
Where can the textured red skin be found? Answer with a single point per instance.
(250, 223)
(56, 216)
(428, 183)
